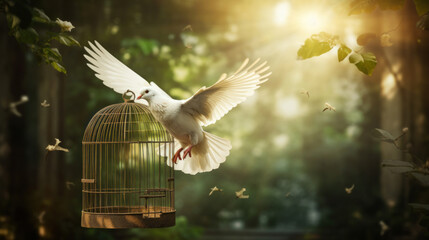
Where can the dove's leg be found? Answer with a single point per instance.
(187, 151)
(177, 155)
(194, 139)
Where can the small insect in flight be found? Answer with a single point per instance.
(45, 104)
(383, 228)
(305, 92)
(350, 189)
(214, 189)
(56, 147)
(240, 194)
(328, 107)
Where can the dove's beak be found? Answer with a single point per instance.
(139, 96)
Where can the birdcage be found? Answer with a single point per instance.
(126, 180)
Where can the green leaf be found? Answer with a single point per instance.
(12, 20)
(422, 6)
(400, 169)
(383, 135)
(56, 52)
(317, 45)
(51, 54)
(420, 207)
(28, 35)
(355, 58)
(58, 67)
(343, 52)
(362, 6)
(40, 16)
(423, 22)
(398, 166)
(68, 40)
(395, 163)
(74, 41)
(366, 65)
(422, 178)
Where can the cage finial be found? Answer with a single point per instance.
(132, 98)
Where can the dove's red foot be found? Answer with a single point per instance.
(187, 151)
(177, 155)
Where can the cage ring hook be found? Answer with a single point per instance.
(132, 98)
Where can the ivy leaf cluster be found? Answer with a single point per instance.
(322, 42)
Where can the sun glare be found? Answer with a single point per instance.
(388, 86)
(288, 107)
(281, 12)
(312, 21)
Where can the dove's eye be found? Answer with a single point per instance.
(147, 91)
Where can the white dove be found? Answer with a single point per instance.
(184, 118)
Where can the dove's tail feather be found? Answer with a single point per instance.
(206, 155)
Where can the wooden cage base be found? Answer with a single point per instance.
(135, 219)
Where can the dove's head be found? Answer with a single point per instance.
(147, 93)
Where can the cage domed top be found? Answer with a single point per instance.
(126, 179)
(128, 122)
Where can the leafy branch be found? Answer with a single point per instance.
(321, 43)
(32, 27)
(365, 62)
(417, 168)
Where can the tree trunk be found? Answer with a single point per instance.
(404, 100)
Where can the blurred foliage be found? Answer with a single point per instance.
(32, 27)
(423, 23)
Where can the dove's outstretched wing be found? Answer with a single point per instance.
(111, 71)
(210, 104)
